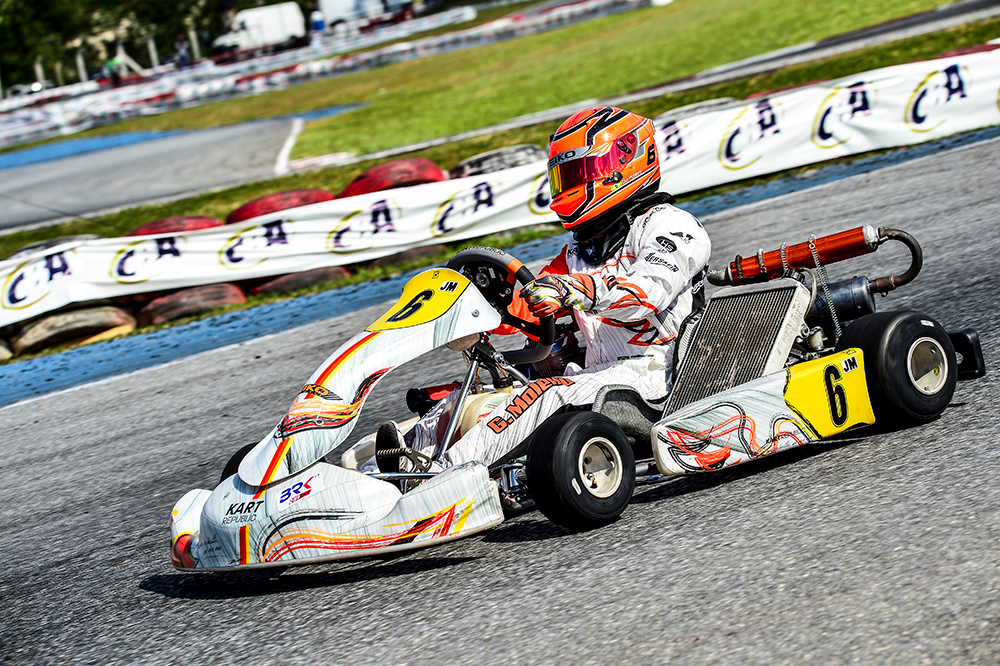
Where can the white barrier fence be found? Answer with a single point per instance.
(894, 106)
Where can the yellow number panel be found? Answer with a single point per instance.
(830, 394)
(425, 298)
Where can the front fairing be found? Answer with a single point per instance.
(436, 307)
(327, 513)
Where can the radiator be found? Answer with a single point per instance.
(746, 332)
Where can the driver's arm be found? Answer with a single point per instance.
(519, 307)
(672, 248)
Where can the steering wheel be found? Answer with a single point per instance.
(494, 273)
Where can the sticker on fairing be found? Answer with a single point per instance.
(293, 492)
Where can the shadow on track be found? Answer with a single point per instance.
(262, 582)
(682, 485)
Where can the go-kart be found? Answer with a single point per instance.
(770, 363)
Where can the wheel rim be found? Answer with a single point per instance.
(600, 467)
(927, 365)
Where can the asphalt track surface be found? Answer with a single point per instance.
(878, 549)
(165, 168)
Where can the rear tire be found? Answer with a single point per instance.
(910, 365)
(580, 470)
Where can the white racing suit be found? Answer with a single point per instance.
(640, 296)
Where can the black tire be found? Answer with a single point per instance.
(233, 466)
(74, 325)
(560, 451)
(910, 365)
(498, 160)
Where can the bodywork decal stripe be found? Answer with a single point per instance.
(340, 360)
(272, 469)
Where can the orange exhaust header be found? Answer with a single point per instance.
(830, 249)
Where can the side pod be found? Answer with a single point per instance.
(804, 403)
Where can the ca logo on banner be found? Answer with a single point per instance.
(34, 280)
(252, 246)
(357, 228)
(670, 140)
(745, 139)
(927, 108)
(143, 259)
(541, 196)
(461, 207)
(832, 125)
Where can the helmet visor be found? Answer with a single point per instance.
(567, 171)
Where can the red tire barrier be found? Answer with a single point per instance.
(272, 203)
(967, 50)
(188, 302)
(286, 284)
(65, 326)
(404, 172)
(169, 225)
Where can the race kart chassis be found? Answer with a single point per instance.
(768, 365)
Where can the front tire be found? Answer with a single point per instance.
(910, 365)
(233, 466)
(580, 470)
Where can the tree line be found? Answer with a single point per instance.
(51, 32)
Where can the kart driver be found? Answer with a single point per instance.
(633, 271)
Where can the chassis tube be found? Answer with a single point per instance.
(456, 414)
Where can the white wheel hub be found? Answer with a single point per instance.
(600, 467)
(927, 365)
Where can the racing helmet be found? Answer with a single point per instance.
(598, 160)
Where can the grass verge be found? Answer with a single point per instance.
(465, 90)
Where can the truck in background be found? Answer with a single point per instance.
(261, 30)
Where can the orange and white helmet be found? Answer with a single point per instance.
(598, 159)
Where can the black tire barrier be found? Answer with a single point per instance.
(498, 160)
(69, 326)
(38, 246)
(287, 284)
(176, 224)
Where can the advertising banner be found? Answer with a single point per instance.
(895, 106)
(342, 231)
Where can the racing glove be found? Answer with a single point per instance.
(548, 294)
